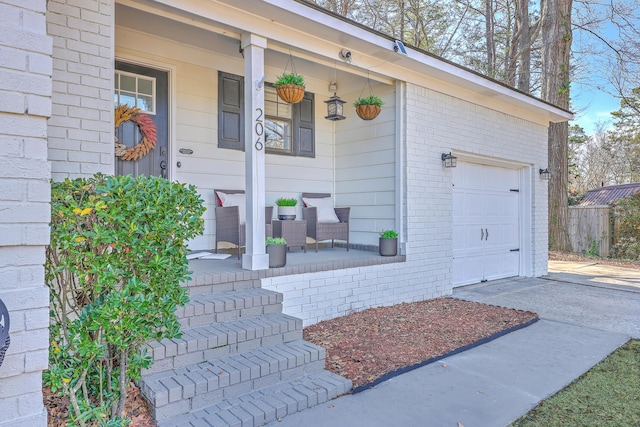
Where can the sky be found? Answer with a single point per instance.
(591, 106)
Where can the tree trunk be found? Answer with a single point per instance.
(556, 38)
(489, 31)
(523, 45)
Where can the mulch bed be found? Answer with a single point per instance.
(371, 344)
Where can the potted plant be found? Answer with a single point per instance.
(368, 107)
(286, 208)
(388, 244)
(290, 87)
(277, 249)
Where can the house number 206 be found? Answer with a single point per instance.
(259, 129)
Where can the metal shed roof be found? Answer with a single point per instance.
(610, 194)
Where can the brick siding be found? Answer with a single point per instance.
(80, 132)
(25, 105)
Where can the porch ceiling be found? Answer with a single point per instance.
(225, 40)
(318, 37)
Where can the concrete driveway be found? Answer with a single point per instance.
(587, 294)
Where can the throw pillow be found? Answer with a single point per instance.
(324, 206)
(234, 200)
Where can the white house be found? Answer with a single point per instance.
(203, 72)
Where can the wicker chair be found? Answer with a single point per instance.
(228, 227)
(326, 231)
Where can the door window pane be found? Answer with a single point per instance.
(136, 91)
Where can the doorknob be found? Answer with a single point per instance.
(486, 233)
(163, 168)
(481, 234)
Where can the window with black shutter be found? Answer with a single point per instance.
(289, 128)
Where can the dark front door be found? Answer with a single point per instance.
(147, 89)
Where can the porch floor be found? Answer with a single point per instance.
(228, 270)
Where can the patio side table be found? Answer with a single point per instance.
(294, 232)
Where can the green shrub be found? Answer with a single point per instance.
(369, 100)
(286, 202)
(627, 214)
(274, 241)
(388, 234)
(114, 266)
(290, 79)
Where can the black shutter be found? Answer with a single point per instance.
(303, 125)
(230, 111)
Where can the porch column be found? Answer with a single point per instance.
(253, 46)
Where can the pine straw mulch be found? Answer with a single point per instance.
(368, 345)
(572, 256)
(136, 409)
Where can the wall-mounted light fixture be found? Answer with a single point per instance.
(449, 160)
(545, 174)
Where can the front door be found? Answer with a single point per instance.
(147, 89)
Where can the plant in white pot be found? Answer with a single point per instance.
(276, 247)
(388, 244)
(286, 208)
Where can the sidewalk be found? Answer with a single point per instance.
(494, 384)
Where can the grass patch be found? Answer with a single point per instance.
(607, 395)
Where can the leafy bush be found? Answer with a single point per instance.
(114, 266)
(627, 215)
(290, 79)
(388, 234)
(369, 100)
(286, 202)
(274, 241)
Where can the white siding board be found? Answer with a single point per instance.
(196, 127)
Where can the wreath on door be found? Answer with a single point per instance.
(148, 132)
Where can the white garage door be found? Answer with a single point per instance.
(485, 223)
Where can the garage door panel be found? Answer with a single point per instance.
(502, 265)
(483, 203)
(468, 270)
(466, 238)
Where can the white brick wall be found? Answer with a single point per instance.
(25, 105)
(80, 132)
(435, 123)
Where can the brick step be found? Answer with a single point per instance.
(190, 388)
(207, 283)
(268, 404)
(217, 340)
(225, 306)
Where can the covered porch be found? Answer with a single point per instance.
(357, 162)
(217, 272)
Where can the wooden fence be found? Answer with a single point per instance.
(590, 229)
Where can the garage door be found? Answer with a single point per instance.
(486, 228)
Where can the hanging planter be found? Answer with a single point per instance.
(290, 92)
(368, 111)
(290, 86)
(368, 107)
